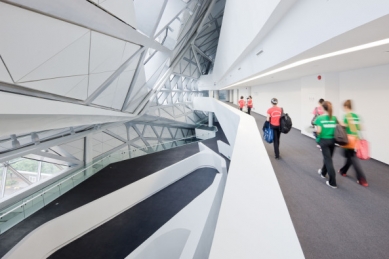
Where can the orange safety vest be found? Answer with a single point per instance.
(250, 103)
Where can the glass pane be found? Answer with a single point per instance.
(33, 205)
(27, 167)
(50, 194)
(14, 183)
(48, 170)
(78, 178)
(10, 219)
(66, 185)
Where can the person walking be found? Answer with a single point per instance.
(317, 112)
(273, 116)
(325, 127)
(242, 103)
(353, 126)
(249, 104)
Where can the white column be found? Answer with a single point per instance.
(210, 119)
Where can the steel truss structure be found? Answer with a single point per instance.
(131, 59)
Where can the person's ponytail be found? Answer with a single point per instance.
(328, 108)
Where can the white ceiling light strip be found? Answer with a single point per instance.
(309, 60)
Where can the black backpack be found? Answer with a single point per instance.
(285, 123)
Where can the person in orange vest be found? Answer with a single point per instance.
(249, 104)
(242, 103)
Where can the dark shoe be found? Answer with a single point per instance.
(342, 174)
(328, 183)
(363, 182)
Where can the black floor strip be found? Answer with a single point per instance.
(104, 182)
(123, 234)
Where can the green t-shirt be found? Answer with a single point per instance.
(327, 126)
(352, 126)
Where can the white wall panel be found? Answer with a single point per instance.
(312, 90)
(369, 91)
(72, 60)
(123, 9)
(29, 39)
(288, 95)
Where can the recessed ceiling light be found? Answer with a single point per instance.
(258, 53)
(309, 60)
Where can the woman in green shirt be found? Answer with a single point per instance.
(325, 126)
(352, 123)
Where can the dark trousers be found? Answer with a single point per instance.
(240, 108)
(327, 147)
(351, 159)
(248, 109)
(276, 139)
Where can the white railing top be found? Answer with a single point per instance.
(254, 221)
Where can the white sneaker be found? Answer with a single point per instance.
(333, 187)
(319, 172)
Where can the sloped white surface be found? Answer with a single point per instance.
(52, 235)
(129, 50)
(71, 61)
(95, 80)
(106, 53)
(27, 43)
(80, 91)
(123, 9)
(172, 8)
(60, 86)
(256, 223)
(124, 82)
(4, 76)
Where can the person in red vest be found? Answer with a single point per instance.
(249, 104)
(274, 116)
(242, 103)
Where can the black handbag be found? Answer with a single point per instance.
(340, 135)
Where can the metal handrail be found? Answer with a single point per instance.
(81, 171)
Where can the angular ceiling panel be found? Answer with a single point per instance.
(106, 53)
(45, 36)
(123, 85)
(129, 50)
(71, 61)
(61, 86)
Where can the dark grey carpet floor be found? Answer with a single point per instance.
(350, 222)
(109, 179)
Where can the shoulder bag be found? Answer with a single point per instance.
(340, 134)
